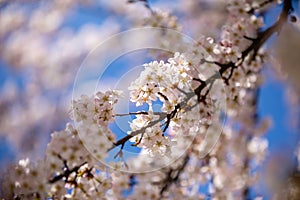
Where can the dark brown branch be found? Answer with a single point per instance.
(262, 4)
(67, 172)
(182, 91)
(249, 38)
(275, 28)
(140, 140)
(163, 116)
(163, 96)
(136, 113)
(145, 2)
(170, 178)
(134, 133)
(226, 79)
(120, 152)
(261, 38)
(171, 116)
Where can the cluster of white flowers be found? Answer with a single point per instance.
(160, 80)
(162, 19)
(27, 181)
(171, 83)
(92, 115)
(67, 165)
(153, 140)
(65, 145)
(104, 105)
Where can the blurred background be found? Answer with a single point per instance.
(43, 43)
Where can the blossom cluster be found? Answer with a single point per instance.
(67, 165)
(159, 80)
(92, 115)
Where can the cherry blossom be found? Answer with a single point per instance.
(185, 144)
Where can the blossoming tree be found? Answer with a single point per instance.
(184, 144)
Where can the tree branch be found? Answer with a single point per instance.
(254, 47)
(170, 179)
